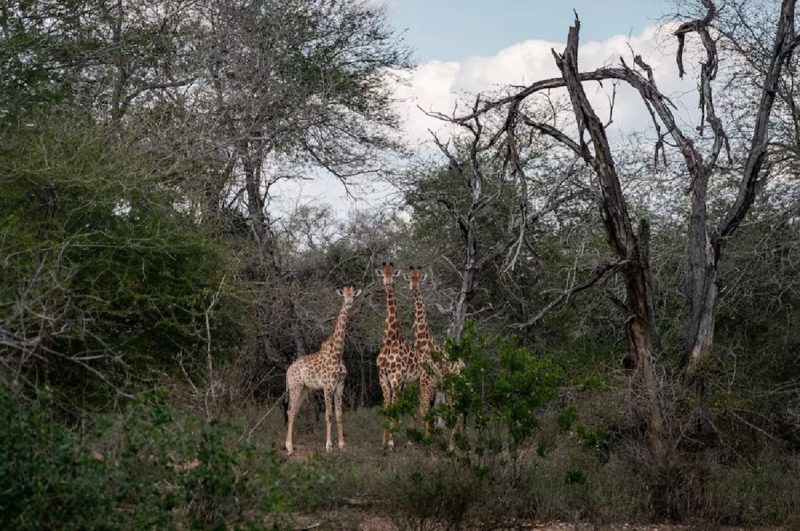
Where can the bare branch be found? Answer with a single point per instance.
(598, 274)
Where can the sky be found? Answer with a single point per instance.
(452, 30)
(462, 47)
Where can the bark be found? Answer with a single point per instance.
(631, 250)
(120, 77)
(251, 166)
(466, 292)
(706, 243)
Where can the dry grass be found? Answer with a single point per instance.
(416, 487)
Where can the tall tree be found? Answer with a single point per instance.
(631, 247)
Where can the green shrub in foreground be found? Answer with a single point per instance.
(501, 388)
(46, 479)
(150, 467)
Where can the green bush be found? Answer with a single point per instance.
(501, 388)
(105, 271)
(438, 495)
(150, 467)
(46, 479)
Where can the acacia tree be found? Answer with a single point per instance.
(103, 55)
(294, 84)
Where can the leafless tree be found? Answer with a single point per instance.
(490, 168)
(630, 246)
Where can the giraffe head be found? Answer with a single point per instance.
(348, 294)
(415, 278)
(387, 272)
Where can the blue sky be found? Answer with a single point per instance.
(450, 30)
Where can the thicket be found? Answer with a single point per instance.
(149, 465)
(106, 282)
(142, 248)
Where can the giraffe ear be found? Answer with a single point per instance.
(424, 277)
(397, 273)
(357, 293)
(339, 292)
(377, 272)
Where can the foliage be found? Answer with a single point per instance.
(153, 466)
(46, 479)
(101, 269)
(501, 388)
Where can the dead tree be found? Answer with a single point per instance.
(474, 163)
(705, 240)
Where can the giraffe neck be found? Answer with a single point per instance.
(420, 320)
(337, 338)
(391, 327)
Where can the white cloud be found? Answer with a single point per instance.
(439, 86)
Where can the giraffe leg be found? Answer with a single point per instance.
(328, 417)
(337, 400)
(451, 445)
(425, 395)
(438, 400)
(386, 389)
(415, 414)
(297, 394)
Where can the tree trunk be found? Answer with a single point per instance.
(631, 251)
(702, 275)
(251, 164)
(705, 245)
(467, 286)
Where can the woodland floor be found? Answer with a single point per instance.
(362, 508)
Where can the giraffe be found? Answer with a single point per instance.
(430, 350)
(321, 370)
(398, 363)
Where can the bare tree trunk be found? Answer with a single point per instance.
(632, 252)
(702, 274)
(121, 72)
(467, 287)
(705, 244)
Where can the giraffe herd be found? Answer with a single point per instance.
(399, 363)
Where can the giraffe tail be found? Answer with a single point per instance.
(285, 403)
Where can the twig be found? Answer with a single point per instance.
(257, 424)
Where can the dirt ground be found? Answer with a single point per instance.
(368, 514)
(371, 521)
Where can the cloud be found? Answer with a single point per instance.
(445, 86)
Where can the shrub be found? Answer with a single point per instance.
(46, 479)
(151, 467)
(105, 271)
(501, 389)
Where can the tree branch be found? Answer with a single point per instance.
(598, 273)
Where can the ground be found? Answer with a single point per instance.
(418, 487)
